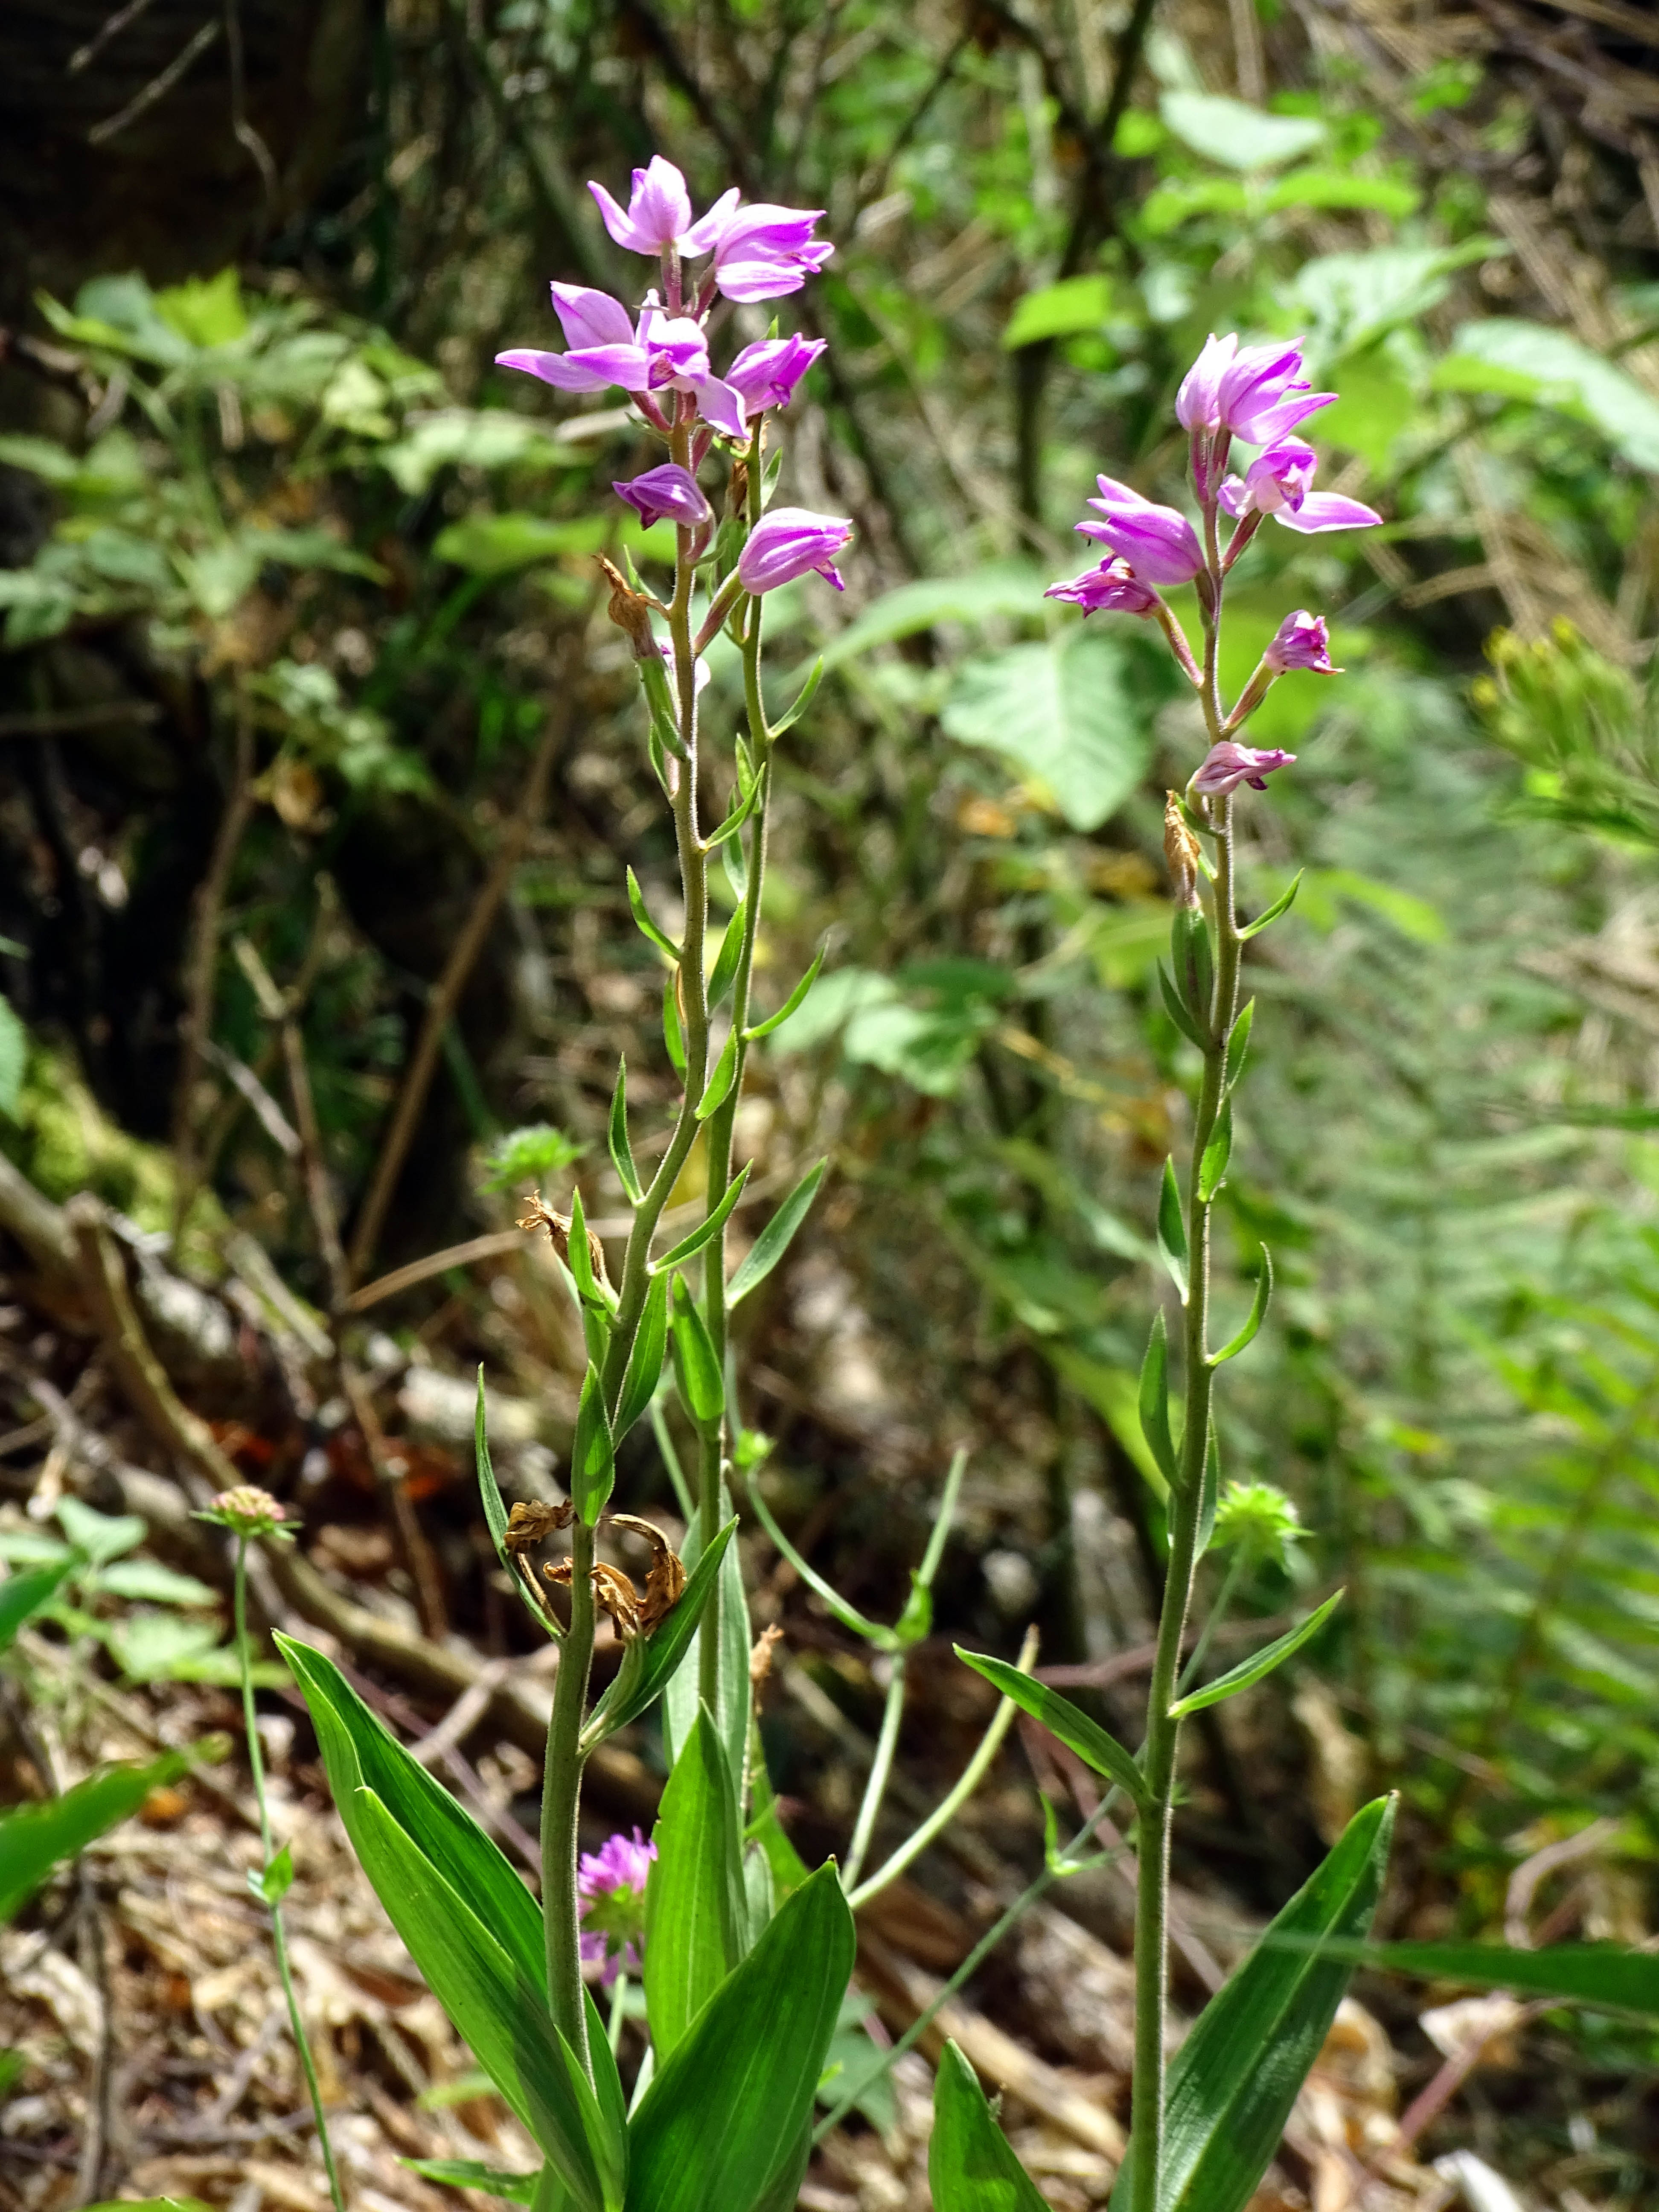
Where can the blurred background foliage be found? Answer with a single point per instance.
(304, 664)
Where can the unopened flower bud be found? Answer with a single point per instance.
(1301, 641)
(247, 1510)
(1226, 765)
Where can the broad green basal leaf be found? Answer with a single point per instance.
(970, 2164)
(1062, 715)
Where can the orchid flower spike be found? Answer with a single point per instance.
(1254, 392)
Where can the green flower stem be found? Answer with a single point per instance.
(560, 1795)
(278, 1933)
(943, 1813)
(711, 1442)
(1155, 1826)
(1055, 1871)
(881, 1767)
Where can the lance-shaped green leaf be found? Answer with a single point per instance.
(971, 2165)
(792, 1004)
(589, 1289)
(1252, 1670)
(724, 969)
(645, 1360)
(502, 2017)
(1178, 1014)
(642, 913)
(672, 1034)
(707, 1229)
(1238, 1043)
(1193, 962)
(661, 1653)
(1103, 1752)
(872, 1631)
(1254, 1319)
(774, 1240)
(1172, 1230)
(724, 1074)
(1236, 2077)
(1281, 905)
(722, 2119)
(21, 1596)
(725, 1618)
(695, 1918)
(741, 810)
(803, 699)
(1153, 1403)
(697, 1371)
(1210, 1493)
(592, 1451)
(33, 1839)
(621, 1153)
(472, 2174)
(1217, 1153)
(494, 1508)
(1615, 1975)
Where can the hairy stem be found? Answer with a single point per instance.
(1186, 1499)
(279, 1933)
(560, 1794)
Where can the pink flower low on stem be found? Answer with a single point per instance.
(1112, 588)
(1301, 641)
(789, 542)
(1226, 765)
(667, 493)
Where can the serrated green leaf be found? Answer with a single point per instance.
(721, 2124)
(792, 1003)
(971, 2165)
(695, 1918)
(1172, 1230)
(1067, 715)
(1264, 1661)
(1103, 1752)
(1254, 1319)
(774, 1240)
(1152, 1401)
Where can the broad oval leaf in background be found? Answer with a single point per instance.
(1062, 715)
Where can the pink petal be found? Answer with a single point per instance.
(591, 318)
(619, 223)
(708, 232)
(555, 370)
(1327, 510)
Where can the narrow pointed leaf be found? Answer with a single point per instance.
(1103, 1752)
(21, 1596)
(971, 2165)
(664, 1649)
(592, 1451)
(621, 1153)
(695, 1913)
(1177, 1012)
(803, 699)
(1612, 1974)
(472, 2174)
(1217, 1153)
(1238, 1043)
(1254, 1319)
(495, 1507)
(581, 1261)
(725, 1618)
(792, 1003)
(725, 1069)
(1211, 1492)
(707, 1229)
(722, 2119)
(734, 821)
(725, 962)
(672, 1034)
(774, 1240)
(34, 1838)
(1252, 1670)
(1194, 963)
(697, 1371)
(664, 942)
(1172, 1230)
(645, 1360)
(501, 2017)
(1236, 2077)
(1154, 1398)
(1281, 905)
